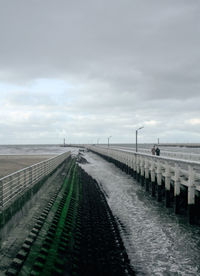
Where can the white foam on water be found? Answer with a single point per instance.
(157, 241)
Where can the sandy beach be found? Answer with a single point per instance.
(13, 163)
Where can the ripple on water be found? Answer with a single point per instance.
(157, 241)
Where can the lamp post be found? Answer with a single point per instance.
(109, 140)
(98, 140)
(136, 146)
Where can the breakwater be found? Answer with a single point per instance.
(173, 181)
(19, 187)
(75, 233)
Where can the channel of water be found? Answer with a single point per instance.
(158, 242)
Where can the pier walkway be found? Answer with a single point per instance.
(174, 180)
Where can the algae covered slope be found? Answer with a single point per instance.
(76, 234)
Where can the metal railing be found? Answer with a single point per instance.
(17, 183)
(188, 171)
(172, 154)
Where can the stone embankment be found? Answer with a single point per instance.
(74, 234)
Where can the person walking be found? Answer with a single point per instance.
(153, 150)
(157, 151)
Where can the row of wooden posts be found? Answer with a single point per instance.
(174, 181)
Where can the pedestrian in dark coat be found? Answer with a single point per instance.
(157, 151)
(153, 150)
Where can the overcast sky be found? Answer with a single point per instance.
(86, 70)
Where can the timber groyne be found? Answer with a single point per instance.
(172, 181)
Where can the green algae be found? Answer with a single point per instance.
(43, 257)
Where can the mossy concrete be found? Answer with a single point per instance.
(9, 214)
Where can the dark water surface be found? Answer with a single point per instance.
(158, 242)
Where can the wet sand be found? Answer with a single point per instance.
(13, 163)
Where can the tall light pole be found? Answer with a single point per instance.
(136, 133)
(109, 140)
(98, 140)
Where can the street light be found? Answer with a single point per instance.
(109, 140)
(136, 147)
(98, 140)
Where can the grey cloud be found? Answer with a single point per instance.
(127, 62)
(57, 37)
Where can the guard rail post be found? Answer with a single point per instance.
(118, 160)
(10, 186)
(30, 175)
(133, 158)
(191, 196)
(135, 166)
(129, 164)
(138, 168)
(123, 162)
(167, 185)
(177, 189)
(153, 180)
(146, 175)
(142, 171)
(159, 183)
